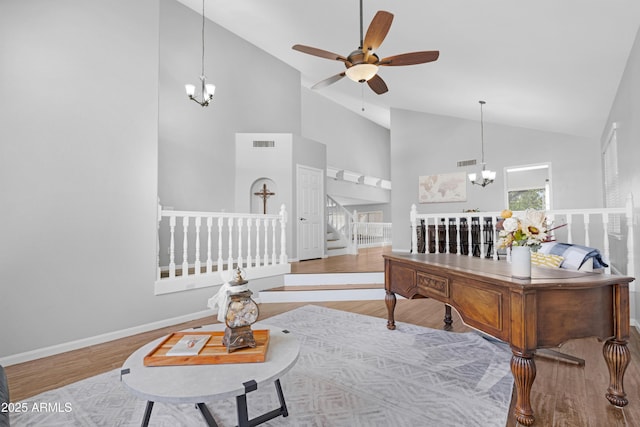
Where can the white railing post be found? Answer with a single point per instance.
(220, 260)
(230, 257)
(266, 241)
(283, 235)
(185, 246)
(414, 229)
(586, 228)
(240, 261)
(209, 260)
(257, 242)
(197, 263)
(159, 218)
(172, 247)
(249, 257)
(630, 242)
(273, 241)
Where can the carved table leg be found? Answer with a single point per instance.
(617, 356)
(523, 369)
(448, 320)
(390, 301)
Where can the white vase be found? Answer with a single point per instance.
(520, 262)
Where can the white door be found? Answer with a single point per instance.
(310, 209)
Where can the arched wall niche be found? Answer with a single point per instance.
(256, 196)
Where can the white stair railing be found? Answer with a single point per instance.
(252, 242)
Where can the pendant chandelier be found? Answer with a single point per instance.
(486, 176)
(207, 89)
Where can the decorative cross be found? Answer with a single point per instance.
(264, 194)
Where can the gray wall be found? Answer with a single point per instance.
(78, 170)
(255, 92)
(353, 143)
(426, 144)
(625, 112)
(92, 110)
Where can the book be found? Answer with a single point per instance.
(188, 345)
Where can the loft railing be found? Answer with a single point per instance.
(473, 233)
(371, 234)
(198, 249)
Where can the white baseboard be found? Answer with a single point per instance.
(99, 339)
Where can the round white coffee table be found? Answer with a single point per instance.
(202, 383)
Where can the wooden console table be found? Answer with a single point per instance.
(552, 307)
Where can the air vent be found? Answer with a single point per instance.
(462, 163)
(264, 144)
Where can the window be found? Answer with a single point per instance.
(528, 187)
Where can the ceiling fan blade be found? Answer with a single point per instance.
(377, 85)
(377, 31)
(326, 82)
(318, 52)
(411, 58)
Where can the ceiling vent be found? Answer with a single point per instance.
(264, 144)
(463, 163)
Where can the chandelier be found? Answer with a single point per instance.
(487, 176)
(207, 89)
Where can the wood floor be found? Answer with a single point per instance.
(562, 394)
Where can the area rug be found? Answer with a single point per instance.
(352, 372)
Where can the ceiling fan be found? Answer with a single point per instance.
(362, 64)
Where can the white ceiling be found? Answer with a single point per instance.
(552, 65)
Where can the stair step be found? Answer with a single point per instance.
(335, 287)
(309, 279)
(346, 294)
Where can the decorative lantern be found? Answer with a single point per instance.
(241, 312)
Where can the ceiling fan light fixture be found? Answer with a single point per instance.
(361, 72)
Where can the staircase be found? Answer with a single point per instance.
(336, 243)
(339, 239)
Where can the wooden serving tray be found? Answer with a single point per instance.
(214, 352)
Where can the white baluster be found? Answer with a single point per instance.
(230, 258)
(172, 247)
(586, 229)
(258, 242)
(266, 241)
(605, 238)
(569, 223)
(240, 223)
(220, 260)
(630, 245)
(209, 229)
(469, 238)
(273, 241)
(197, 263)
(447, 239)
(414, 230)
(185, 246)
(483, 252)
(249, 257)
(283, 235)
(458, 237)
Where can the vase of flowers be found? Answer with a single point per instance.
(521, 236)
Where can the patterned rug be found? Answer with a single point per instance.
(352, 371)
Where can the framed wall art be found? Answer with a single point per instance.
(442, 188)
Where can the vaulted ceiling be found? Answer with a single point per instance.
(552, 65)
